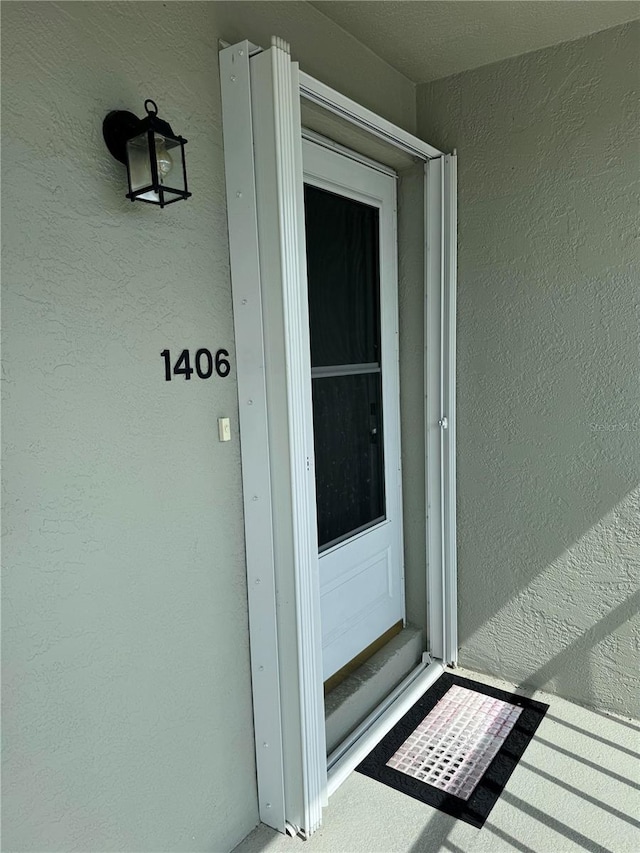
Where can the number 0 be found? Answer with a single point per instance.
(204, 374)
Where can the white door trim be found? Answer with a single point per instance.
(262, 133)
(256, 469)
(448, 418)
(339, 104)
(440, 405)
(277, 146)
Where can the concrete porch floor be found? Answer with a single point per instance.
(577, 788)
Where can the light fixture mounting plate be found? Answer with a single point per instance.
(117, 128)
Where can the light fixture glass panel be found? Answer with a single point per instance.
(151, 196)
(175, 178)
(139, 162)
(164, 159)
(170, 196)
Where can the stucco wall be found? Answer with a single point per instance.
(548, 364)
(127, 707)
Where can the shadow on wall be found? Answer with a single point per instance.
(575, 658)
(570, 625)
(549, 427)
(548, 380)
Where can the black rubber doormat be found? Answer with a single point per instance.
(456, 747)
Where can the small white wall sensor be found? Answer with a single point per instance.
(224, 429)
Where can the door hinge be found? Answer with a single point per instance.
(443, 422)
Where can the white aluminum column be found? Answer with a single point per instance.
(440, 406)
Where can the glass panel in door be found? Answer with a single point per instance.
(343, 271)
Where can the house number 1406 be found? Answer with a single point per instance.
(204, 364)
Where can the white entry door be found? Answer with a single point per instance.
(350, 224)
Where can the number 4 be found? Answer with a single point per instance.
(186, 370)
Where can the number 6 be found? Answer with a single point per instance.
(223, 368)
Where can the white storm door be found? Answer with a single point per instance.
(350, 224)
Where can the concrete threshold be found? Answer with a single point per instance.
(347, 705)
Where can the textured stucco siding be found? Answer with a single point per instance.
(127, 717)
(548, 364)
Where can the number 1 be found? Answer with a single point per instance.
(167, 364)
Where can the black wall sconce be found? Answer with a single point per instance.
(152, 153)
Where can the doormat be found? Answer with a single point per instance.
(456, 747)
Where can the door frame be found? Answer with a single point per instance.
(261, 94)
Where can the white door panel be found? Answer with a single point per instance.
(360, 534)
(361, 596)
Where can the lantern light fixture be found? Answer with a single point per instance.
(152, 153)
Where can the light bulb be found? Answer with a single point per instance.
(163, 158)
